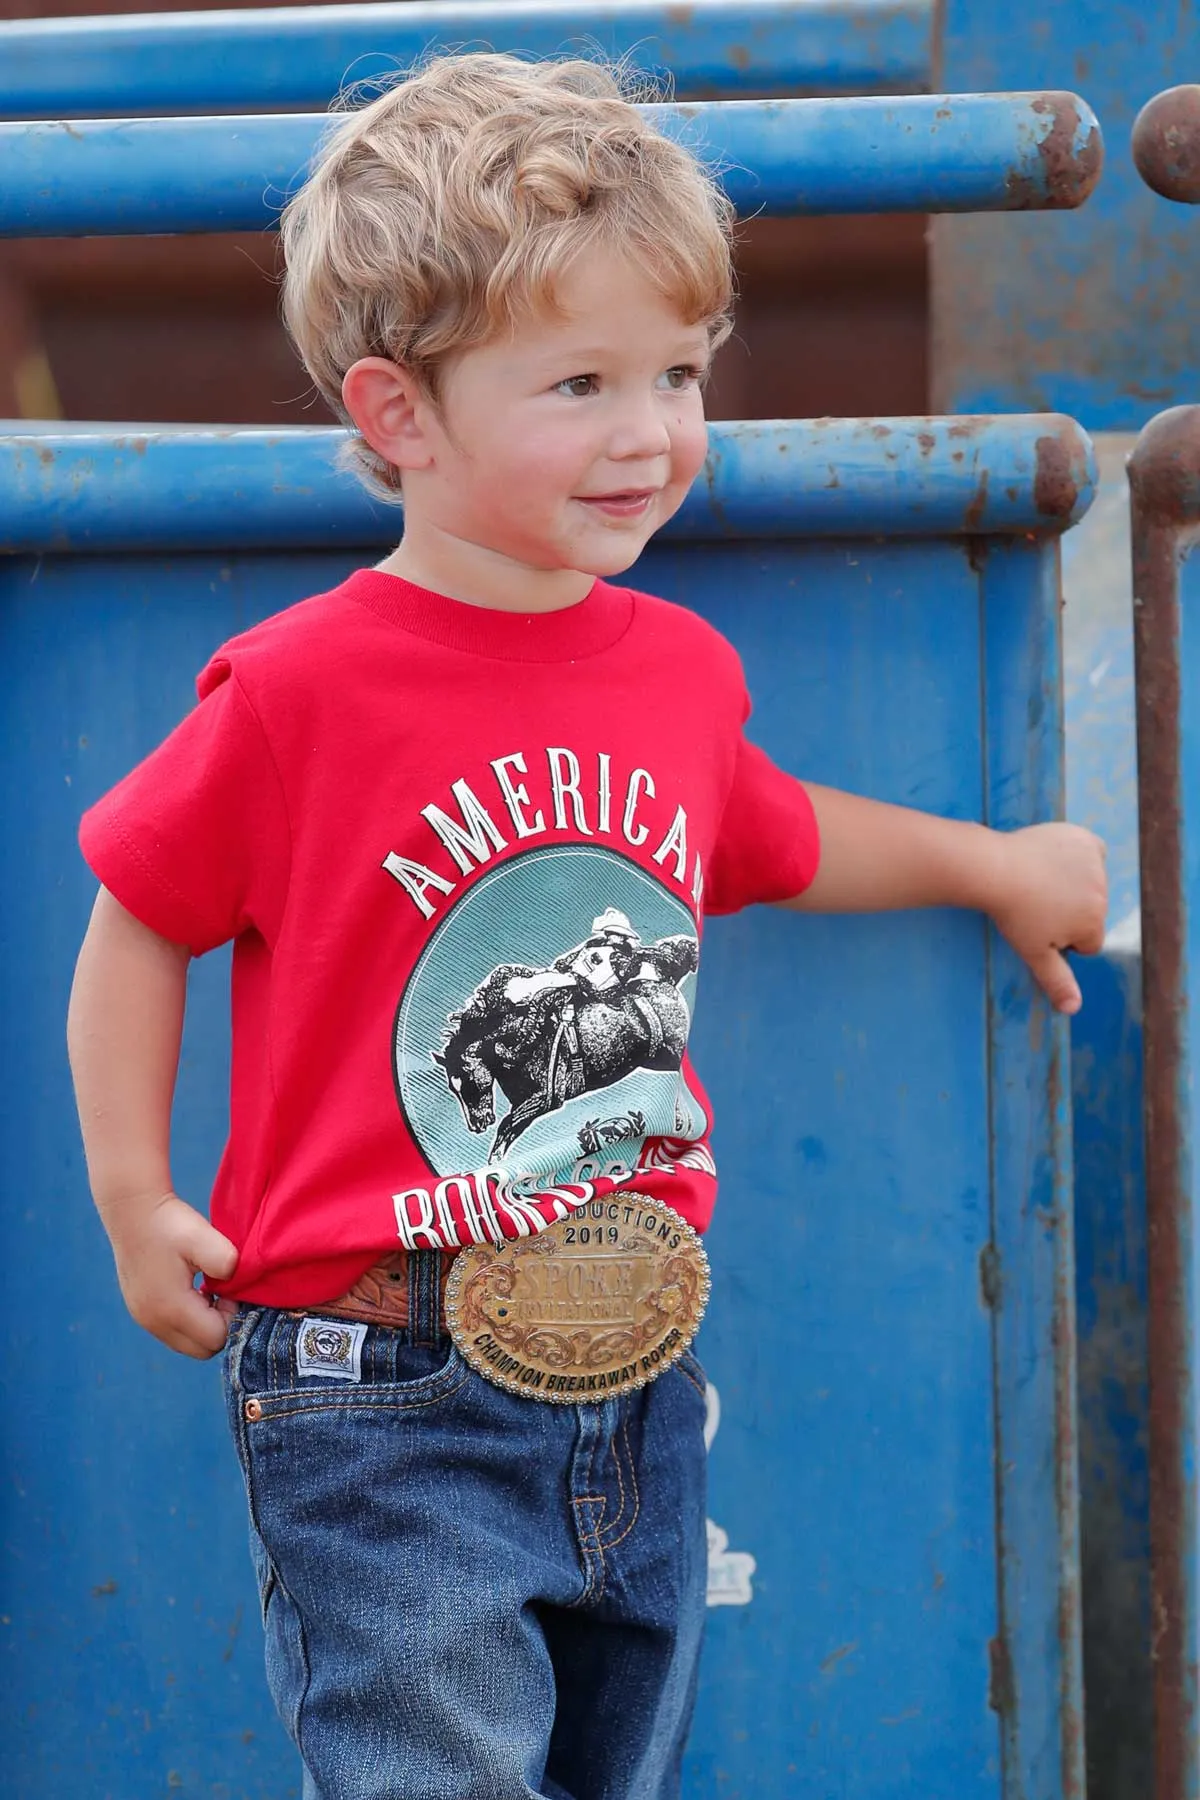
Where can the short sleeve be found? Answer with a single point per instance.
(194, 842)
(768, 846)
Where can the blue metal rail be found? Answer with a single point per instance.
(923, 153)
(204, 489)
(302, 56)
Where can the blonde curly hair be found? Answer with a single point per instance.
(448, 208)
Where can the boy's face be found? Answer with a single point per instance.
(566, 445)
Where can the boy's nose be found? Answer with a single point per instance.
(641, 431)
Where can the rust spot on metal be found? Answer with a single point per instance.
(1000, 1677)
(1166, 144)
(839, 1655)
(989, 1276)
(881, 431)
(973, 517)
(1162, 478)
(1055, 487)
(927, 441)
(1069, 170)
(104, 1589)
(739, 56)
(1138, 391)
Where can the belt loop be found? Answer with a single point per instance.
(424, 1269)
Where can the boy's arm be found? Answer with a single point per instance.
(1044, 886)
(123, 1035)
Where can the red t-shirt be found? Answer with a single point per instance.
(463, 856)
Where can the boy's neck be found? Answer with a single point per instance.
(479, 577)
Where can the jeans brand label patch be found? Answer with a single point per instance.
(331, 1348)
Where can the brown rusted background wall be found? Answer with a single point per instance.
(832, 320)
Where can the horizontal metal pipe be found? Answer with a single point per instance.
(191, 489)
(921, 153)
(301, 56)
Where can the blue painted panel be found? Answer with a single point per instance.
(923, 153)
(1088, 315)
(300, 56)
(873, 1385)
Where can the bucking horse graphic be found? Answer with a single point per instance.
(546, 1036)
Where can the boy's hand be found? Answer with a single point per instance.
(160, 1248)
(1051, 896)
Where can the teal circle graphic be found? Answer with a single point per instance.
(530, 911)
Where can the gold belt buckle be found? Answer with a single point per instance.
(595, 1305)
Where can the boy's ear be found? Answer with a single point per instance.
(391, 410)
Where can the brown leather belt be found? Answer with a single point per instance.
(382, 1295)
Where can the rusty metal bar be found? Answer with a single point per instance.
(1164, 474)
(1166, 144)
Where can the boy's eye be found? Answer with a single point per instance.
(682, 376)
(578, 387)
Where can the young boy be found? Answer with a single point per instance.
(462, 837)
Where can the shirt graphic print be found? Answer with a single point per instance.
(540, 1038)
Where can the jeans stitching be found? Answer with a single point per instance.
(597, 1543)
(615, 1523)
(359, 1403)
(593, 1552)
(586, 1558)
(701, 1388)
(588, 1532)
(611, 1543)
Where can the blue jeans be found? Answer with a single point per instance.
(470, 1595)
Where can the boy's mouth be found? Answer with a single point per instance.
(630, 503)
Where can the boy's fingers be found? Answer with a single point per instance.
(207, 1250)
(1090, 941)
(196, 1329)
(191, 1326)
(216, 1256)
(1052, 972)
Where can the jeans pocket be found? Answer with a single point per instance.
(288, 1364)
